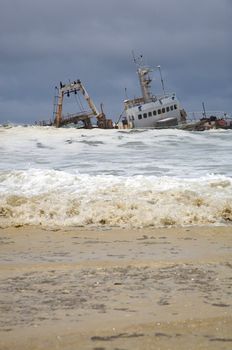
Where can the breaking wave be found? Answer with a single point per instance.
(57, 198)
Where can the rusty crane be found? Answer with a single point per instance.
(84, 117)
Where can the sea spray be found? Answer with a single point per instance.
(129, 178)
(58, 198)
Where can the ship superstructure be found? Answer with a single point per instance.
(150, 110)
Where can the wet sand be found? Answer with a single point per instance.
(116, 289)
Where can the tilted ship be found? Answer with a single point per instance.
(152, 111)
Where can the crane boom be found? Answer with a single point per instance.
(67, 89)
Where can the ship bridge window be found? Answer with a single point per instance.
(171, 108)
(159, 111)
(163, 110)
(167, 109)
(154, 112)
(140, 116)
(144, 115)
(175, 106)
(149, 114)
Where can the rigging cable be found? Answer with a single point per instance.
(78, 101)
(120, 117)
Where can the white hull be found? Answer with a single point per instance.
(151, 111)
(166, 111)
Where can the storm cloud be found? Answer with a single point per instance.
(43, 42)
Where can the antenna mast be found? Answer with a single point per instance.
(144, 78)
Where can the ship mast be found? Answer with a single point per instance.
(144, 78)
(145, 83)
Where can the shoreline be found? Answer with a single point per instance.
(116, 288)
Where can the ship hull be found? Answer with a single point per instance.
(162, 113)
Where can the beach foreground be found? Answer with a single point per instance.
(121, 289)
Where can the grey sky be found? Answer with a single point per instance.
(45, 41)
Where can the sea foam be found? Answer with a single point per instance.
(58, 198)
(133, 178)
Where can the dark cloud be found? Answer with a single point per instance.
(43, 42)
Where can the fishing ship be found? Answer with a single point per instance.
(152, 111)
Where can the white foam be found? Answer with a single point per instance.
(57, 177)
(58, 198)
(151, 152)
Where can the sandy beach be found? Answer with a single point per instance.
(121, 289)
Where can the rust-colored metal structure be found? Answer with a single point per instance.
(85, 117)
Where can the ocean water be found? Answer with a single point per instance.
(127, 178)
